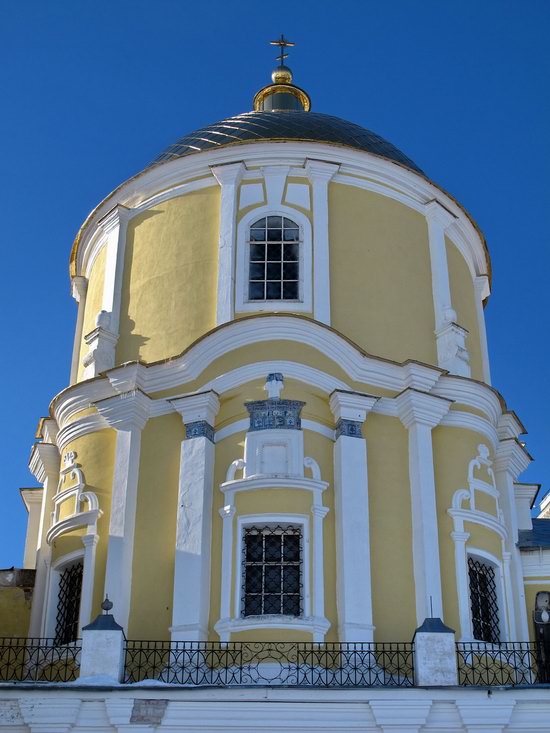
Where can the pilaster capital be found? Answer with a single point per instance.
(421, 408)
(351, 405)
(114, 218)
(319, 170)
(201, 407)
(79, 286)
(127, 377)
(47, 430)
(460, 537)
(44, 462)
(228, 175)
(228, 511)
(127, 411)
(436, 213)
(90, 540)
(511, 457)
(319, 511)
(421, 376)
(32, 497)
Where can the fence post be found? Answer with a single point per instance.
(103, 647)
(435, 655)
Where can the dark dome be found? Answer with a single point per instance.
(284, 125)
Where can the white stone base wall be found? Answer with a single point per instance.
(97, 709)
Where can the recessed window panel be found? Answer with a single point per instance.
(274, 257)
(272, 571)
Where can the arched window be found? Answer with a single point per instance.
(274, 259)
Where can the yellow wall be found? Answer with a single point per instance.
(463, 300)
(15, 612)
(393, 595)
(94, 299)
(380, 275)
(170, 276)
(155, 529)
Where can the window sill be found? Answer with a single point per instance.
(280, 306)
(315, 625)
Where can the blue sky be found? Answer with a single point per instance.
(92, 91)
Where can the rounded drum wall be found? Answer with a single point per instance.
(170, 277)
(380, 275)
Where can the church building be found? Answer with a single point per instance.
(279, 490)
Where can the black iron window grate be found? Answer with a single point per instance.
(483, 601)
(272, 571)
(68, 604)
(274, 253)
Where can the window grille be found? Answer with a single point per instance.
(274, 259)
(68, 604)
(483, 601)
(272, 571)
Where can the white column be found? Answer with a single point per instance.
(320, 174)
(482, 291)
(511, 460)
(462, 584)
(128, 414)
(44, 465)
(353, 571)
(229, 177)
(79, 287)
(420, 412)
(450, 337)
(227, 514)
(33, 499)
(88, 571)
(191, 606)
(103, 339)
(319, 512)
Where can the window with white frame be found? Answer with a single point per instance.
(274, 259)
(68, 603)
(272, 571)
(484, 600)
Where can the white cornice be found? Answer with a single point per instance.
(396, 181)
(511, 457)
(44, 461)
(126, 411)
(196, 407)
(421, 408)
(351, 405)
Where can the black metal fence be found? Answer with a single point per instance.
(300, 664)
(512, 663)
(38, 660)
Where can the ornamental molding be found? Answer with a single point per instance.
(127, 411)
(512, 457)
(275, 481)
(356, 168)
(199, 429)
(72, 488)
(351, 406)
(201, 407)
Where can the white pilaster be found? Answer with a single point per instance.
(512, 459)
(462, 584)
(353, 571)
(227, 514)
(319, 512)
(275, 178)
(320, 175)
(128, 414)
(32, 498)
(79, 287)
(451, 349)
(229, 177)
(88, 570)
(482, 291)
(191, 604)
(44, 465)
(102, 340)
(420, 412)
